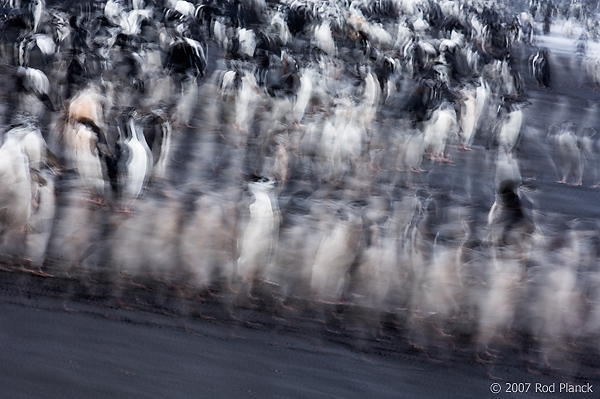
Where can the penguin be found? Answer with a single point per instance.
(88, 104)
(185, 57)
(185, 8)
(38, 8)
(570, 161)
(135, 161)
(39, 225)
(507, 216)
(468, 119)
(338, 250)
(33, 82)
(540, 68)
(510, 125)
(158, 135)
(437, 131)
(93, 160)
(15, 201)
(210, 234)
(37, 51)
(323, 39)
(258, 241)
(419, 103)
(32, 143)
(304, 94)
(246, 40)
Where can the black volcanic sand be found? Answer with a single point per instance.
(86, 347)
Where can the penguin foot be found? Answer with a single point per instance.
(68, 309)
(242, 129)
(35, 272)
(97, 201)
(4, 269)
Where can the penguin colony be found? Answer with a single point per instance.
(248, 149)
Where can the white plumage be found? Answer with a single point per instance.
(498, 302)
(367, 111)
(246, 101)
(337, 250)
(32, 143)
(15, 183)
(88, 104)
(438, 129)
(27, 201)
(34, 80)
(42, 217)
(323, 39)
(279, 24)
(569, 160)
(510, 130)
(209, 237)
(259, 238)
(183, 7)
(247, 40)
(304, 94)
(39, 9)
(482, 97)
(139, 163)
(468, 119)
(159, 169)
(87, 160)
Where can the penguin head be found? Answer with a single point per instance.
(507, 191)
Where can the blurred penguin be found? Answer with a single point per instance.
(568, 155)
(511, 226)
(135, 160)
(87, 107)
(510, 125)
(15, 202)
(337, 252)
(540, 68)
(468, 119)
(158, 134)
(258, 240)
(41, 220)
(94, 161)
(33, 91)
(438, 130)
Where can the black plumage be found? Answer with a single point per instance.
(540, 66)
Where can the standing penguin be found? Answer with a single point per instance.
(468, 119)
(15, 201)
(41, 219)
(86, 107)
(32, 92)
(510, 125)
(91, 155)
(540, 67)
(569, 159)
(507, 217)
(439, 128)
(29, 178)
(135, 160)
(260, 236)
(158, 132)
